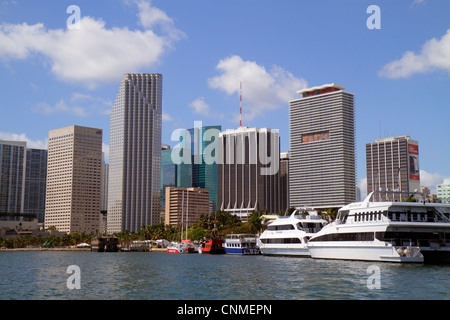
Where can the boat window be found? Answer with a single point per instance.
(281, 240)
(281, 227)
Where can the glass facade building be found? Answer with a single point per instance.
(12, 174)
(35, 183)
(135, 154)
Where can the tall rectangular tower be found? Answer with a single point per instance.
(35, 183)
(322, 164)
(135, 154)
(12, 176)
(392, 164)
(74, 169)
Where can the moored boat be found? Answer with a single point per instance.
(411, 232)
(289, 235)
(244, 244)
(212, 246)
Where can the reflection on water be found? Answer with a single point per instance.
(42, 275)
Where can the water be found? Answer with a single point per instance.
(30, 275)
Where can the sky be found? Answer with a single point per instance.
(61, 66)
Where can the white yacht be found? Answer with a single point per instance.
(386, 231)
(288, 236)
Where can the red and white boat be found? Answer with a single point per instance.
(175, 248)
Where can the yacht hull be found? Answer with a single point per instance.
(298, 251)
(364, 252)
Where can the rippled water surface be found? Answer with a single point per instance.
(43, 275)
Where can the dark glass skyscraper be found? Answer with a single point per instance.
(35, 183)
(12, 174)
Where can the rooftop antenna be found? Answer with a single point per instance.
(240, 106)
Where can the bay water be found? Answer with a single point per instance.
(31, 275)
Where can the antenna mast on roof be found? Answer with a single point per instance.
(240, 106)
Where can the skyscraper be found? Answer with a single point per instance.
(204, 175)
(248, 171)
(35, 183)
(12, 176)
(322, 171)
(392, 164)
(74, 168)
(135, 153)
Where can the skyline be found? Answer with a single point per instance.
(53, 76)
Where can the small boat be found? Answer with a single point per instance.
(244, 244)
(213, 246)
(175, 247)
(188, 246)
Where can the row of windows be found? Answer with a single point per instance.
(281, 241)
(361, 236)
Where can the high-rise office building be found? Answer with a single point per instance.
(204, 175)
(74, 169)
(12, 176)
(322, 163)
(284, 180)
(185, 205)
(135, 154)
(443, 193)
(35, 183)
(392, 164)
(248, 171)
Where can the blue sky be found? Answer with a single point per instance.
(52, 76)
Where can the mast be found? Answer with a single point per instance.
(240, 105)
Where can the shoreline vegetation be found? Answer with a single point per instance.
(221, 222)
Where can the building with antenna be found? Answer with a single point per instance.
(392, 164)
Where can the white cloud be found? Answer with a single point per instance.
(363, 188)
(431, 180)
(105, 150)
(261, 89)
(166, 117)
(60, 106)
(35, 144)
(200, 106)
(94, 53)
(78, 104)
(435, 55)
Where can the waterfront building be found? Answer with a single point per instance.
(443, 193)
(185, 205)
(204, 175)
(74, 168)
(248, 178)
(322, 163)
(35, 183)
(12, 176)
(135, 154)
(284, 180)
(392, 164)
